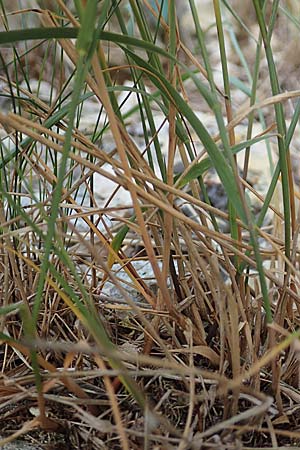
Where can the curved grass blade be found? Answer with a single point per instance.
(203, 166)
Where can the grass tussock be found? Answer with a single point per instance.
(136, 311)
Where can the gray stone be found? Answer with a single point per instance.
(20, 445)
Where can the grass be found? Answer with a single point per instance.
(204, 354)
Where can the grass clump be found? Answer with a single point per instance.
(136, 311)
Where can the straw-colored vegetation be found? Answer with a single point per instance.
(205, 354)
